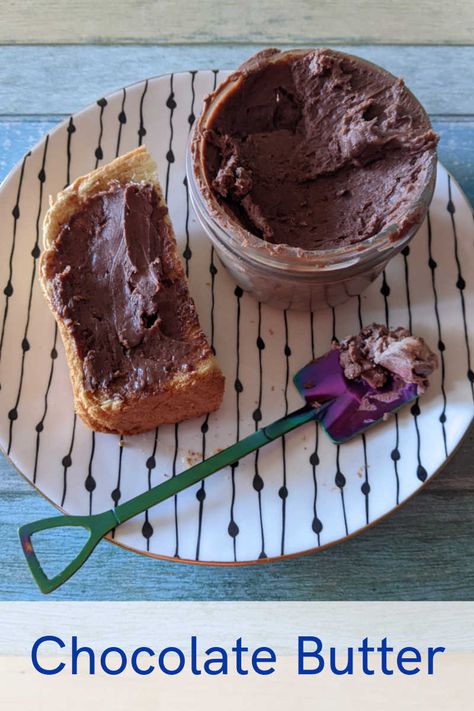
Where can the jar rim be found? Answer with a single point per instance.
(394, 236)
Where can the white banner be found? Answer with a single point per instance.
(233, 655)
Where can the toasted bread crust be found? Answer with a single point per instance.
(184, 395)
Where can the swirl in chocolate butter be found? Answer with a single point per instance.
(117, 289)
(316, 149)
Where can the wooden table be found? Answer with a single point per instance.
(426, 550)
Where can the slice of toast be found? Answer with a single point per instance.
(165, 372)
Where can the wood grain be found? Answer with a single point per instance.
(195, 21)
(441, 77)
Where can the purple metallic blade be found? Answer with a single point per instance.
(351, 406)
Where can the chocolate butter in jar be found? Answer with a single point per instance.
(309, 170)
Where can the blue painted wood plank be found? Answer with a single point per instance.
(37, 79)
(17, 137)
(398, 559)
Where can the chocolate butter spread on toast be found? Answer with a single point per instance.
(316, 149)
(117, 288)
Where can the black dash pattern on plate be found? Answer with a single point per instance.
(35, 252)
(40, 425)
(421, 472)
(191, 115)
(316, 524)
(460, 283)
(258, 482)
(233, 529)
(8, 289)
(171, 105)
(385, 291)
(142, 129)
(340, 481)
(405, 255)
(147, 528)
(187, 254)
(174, 472)
(122, 119)
(441, 346)
(333, 336)
(395, 457)
(365, 487)
(99, 154)
(201, 492)
(67, 459)
(283, 491)
(116, 494)
(70, 130)
(90, 482)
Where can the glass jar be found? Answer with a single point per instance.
(291, 277)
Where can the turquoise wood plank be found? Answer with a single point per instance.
(17, 137)
(398, 559)
(50, 80)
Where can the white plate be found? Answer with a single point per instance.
(294, 495)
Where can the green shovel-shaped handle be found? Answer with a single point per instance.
(100, 524)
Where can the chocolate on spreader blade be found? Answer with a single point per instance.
(351, 406)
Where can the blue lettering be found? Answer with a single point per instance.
(220, 661)
(123, 660)
(34, 655)
(402, 659)
(134, 660)
(348, 669)
(384, 649)
(194, 667)
(303, 653)
(161, 660)
(76, 651)
(239, 649)
(365, 650)
(431, 653)
(263, 655)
